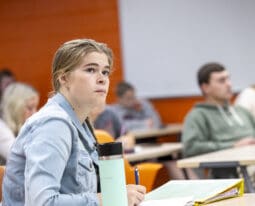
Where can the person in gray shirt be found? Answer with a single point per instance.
(134, 113)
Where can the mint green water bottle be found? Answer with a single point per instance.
(112, 174)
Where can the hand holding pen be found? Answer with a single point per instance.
(137, 178)
(135, 192)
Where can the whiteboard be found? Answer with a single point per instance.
(164, 42)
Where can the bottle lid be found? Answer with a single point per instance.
(111, 148)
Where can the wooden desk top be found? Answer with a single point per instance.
(171, 129)
(149, 151)
(245, 200)
(242, 155)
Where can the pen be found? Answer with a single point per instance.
(137, 181)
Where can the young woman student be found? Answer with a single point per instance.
(54, 160)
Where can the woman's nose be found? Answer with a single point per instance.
(101, 78)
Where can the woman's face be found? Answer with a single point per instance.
(30, 107)
(87, 85)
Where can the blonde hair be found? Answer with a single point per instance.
(70, 55)
(13, 104)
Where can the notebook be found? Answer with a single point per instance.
(194, 192)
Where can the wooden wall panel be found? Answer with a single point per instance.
(32, 30)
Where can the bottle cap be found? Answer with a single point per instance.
(109, 149)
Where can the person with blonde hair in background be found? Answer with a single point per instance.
(54, 160)
(19, 101)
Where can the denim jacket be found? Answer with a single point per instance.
(52, 160)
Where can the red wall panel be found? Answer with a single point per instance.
(32, 30)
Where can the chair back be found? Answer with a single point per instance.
(2, 169)
(103, 136)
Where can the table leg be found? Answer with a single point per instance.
(185, 173)
(247, 179)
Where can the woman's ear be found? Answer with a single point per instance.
(63, 78)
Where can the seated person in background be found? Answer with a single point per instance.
(135, 114)
(246, 99)
(19, 101)
(105, 119)
(6, 78)
(215, 124)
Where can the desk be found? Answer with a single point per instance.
(171, 129)
(149, 151)
(245, 200)
(233, 157)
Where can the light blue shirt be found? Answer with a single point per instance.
(51, 161)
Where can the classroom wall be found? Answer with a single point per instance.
(178, 36)
(32, 30)
(174, 109)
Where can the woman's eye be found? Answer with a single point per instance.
(106, 73)
(90, 70)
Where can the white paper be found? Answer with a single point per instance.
(180, 201)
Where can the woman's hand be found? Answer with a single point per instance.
(99, 196)
(135, 194)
